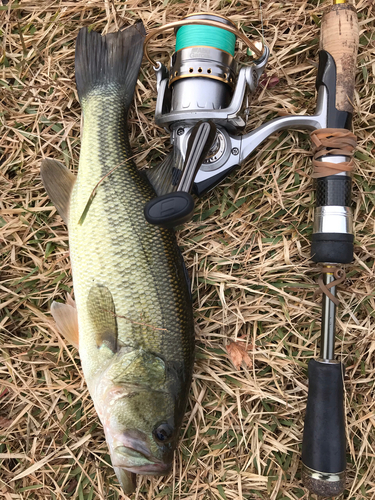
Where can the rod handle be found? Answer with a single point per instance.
(323, 444)
(340, 37)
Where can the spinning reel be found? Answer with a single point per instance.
(200, 102)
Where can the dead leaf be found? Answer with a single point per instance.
(71, 486)
(238, 354)
(4, 422)
(4, 393)
(269, 81)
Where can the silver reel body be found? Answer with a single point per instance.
(202, 85)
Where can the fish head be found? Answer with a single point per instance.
(140, 401)
(140, 430)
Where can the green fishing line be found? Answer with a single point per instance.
(206, 36)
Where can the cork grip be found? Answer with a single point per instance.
(340, 37)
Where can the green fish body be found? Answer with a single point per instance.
(135, 322)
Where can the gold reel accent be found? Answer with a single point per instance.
(204, 22)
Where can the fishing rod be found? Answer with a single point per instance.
(324, 443)
(200, 103)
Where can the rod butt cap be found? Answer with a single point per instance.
(323, 484)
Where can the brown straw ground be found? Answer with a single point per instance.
(247, 252)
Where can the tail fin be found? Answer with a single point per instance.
(110, 61)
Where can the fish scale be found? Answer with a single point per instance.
(139, 263)
(135, 320)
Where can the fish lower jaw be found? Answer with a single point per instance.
(133, 461)
(151, 470)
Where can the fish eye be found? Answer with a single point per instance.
(163, 433)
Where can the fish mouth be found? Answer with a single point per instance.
(155, 469)
(133, 454)
(134, 460)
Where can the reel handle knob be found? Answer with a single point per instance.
(169, 210)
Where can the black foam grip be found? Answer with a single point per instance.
(334, 248)
(323, 445)
(334, 190)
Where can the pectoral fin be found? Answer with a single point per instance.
(102, 311)
(58, 182)
(66, 319)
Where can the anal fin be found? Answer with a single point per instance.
(66, 318)
(166, 176)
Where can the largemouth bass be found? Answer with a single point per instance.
(132, 303)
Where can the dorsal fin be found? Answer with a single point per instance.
(58, 182)
(101, 308)
(66, 318)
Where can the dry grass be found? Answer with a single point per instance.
(247, 251)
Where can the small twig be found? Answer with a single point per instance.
(93, 194)
(136, 322)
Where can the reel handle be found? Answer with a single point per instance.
(323, 445)
(177, 207)
(170, 210)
